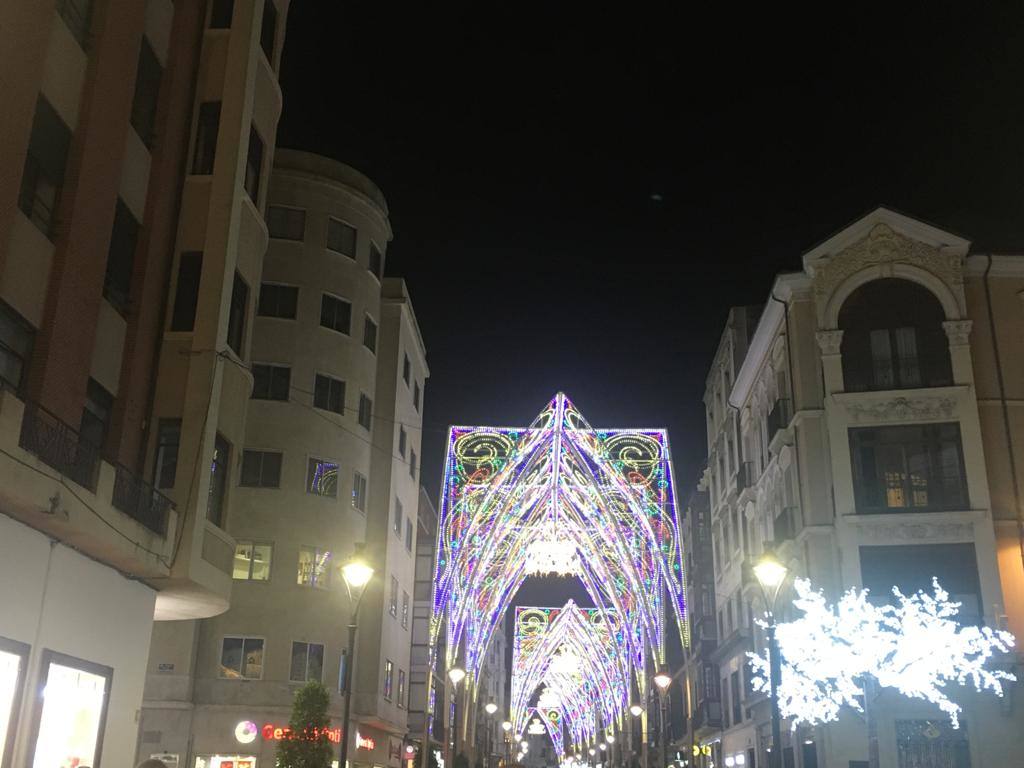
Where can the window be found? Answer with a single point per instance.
(271, 382)
(286, 223)
(396, 525)
(236, 315)
(416, 396)
(406, 368)
(254, 163)
(365, 411)
(412, 464)
(376, 262)
(405, 609)
(908, 468)
(16, 339)
(278, 301)
(147, 89)
(307, 662)
(77, 693)
(220, 15)
(335, 314)
(359, 492)
(893, 337)
(241, 658)
(13, 662)
(168, 439)
(45, 164)
(329, 393)
(96, 414)
(341, 238)
(252, 561)
(408, 535)
(77, 15)
(268, 31)
(261, 469)
(734, 695)
(186, 295)
(389, 670)
(322, 478)
(401, 689)
(314, 567)
(393, 604)
(218, 480)
(121, 257)
(370, 335)
(206, 138)
(401, 441)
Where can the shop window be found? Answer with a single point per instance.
(389, 673)
(261, 469)
(236, 314)
(241, 658)
(186, 294)
(376, 262)
(406, 369)
(908, 468)
(359, 492)
(307, 662)
(168, 440)
(271, 382)
(72, 712)
(219, 464)
(16, 341)
(147, 90)
(335, 314)
(329, 393)
(268, 30)
(253, 165)
(393, 600)
(365, 411)
(13, 660)
(280, 301)
(205, 151)
(401, 689)
(396, 524)
(77, 15)
(314, 567)
(405, 609)
(401, 441)
(370, 335)
(286, 223)
(252, 561)
(322, 478)
(341, 237)
(893, 337)
(124, 239)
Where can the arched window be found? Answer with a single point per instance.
(893, 337)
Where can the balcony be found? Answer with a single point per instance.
(707, 715)
(779, 416)
(141, 501)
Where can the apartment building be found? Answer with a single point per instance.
(133, 150)
(865, 429)
(329, 460)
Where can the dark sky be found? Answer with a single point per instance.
(579, 195)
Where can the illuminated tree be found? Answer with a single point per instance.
(831, 654)
(308, 745)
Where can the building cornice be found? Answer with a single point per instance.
(1006, 265)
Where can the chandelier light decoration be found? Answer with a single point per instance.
(915, 647)
(557, 498)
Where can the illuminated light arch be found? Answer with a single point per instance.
(559, 497)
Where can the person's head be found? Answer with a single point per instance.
(152, 763)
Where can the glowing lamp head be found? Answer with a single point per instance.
(663, 679)
(357, 573)
(506, 726)
(591, 751)
(610, 738)
(523, 745)
(770, 572)
(636, 710)
(490, 708)
(409, 749)
(602, 746)
(456, 675)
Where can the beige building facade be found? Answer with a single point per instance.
(867, 429)
(133, 131)
(329, 460)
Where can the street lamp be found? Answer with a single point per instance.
(635, 710)
(456, 674)
(490, 708)
(662, 679)
(771, 575)
(357, 573)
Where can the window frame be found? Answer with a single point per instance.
(331, 380)
(237, 323)
(355, 237)
(243, 638)
(255, 152)
(324, 297)
(22, 651)
(273, 367)
(276, 290)
(323, 662)
(204, 154)
(262, 453)
(389, 679)
(379, 272)
(158, 452)
(253, 543)
(370, 339)
(145, 102)
(364, 398)
(187, 304)
(292, 208)
(356, 476)
(393, 598)
(310, 459)
(314, 583)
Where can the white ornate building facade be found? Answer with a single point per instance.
(868, 429)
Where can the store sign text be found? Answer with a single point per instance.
(273, 732)
(364, 742)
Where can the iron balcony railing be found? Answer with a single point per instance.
(60, 446)
(141, 501)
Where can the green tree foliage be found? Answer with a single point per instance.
(307, 745)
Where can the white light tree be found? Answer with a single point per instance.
(833, 655)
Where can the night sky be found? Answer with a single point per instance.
(579, 195)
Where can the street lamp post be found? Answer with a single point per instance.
(771, 575)
(663, 680)
(635, 709)
(490, 708)
(456, 675)
(506, 726)
(357, 574)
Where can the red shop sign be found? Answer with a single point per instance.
(273, 732)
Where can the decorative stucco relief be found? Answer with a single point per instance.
(891, 532)
(902, 409)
